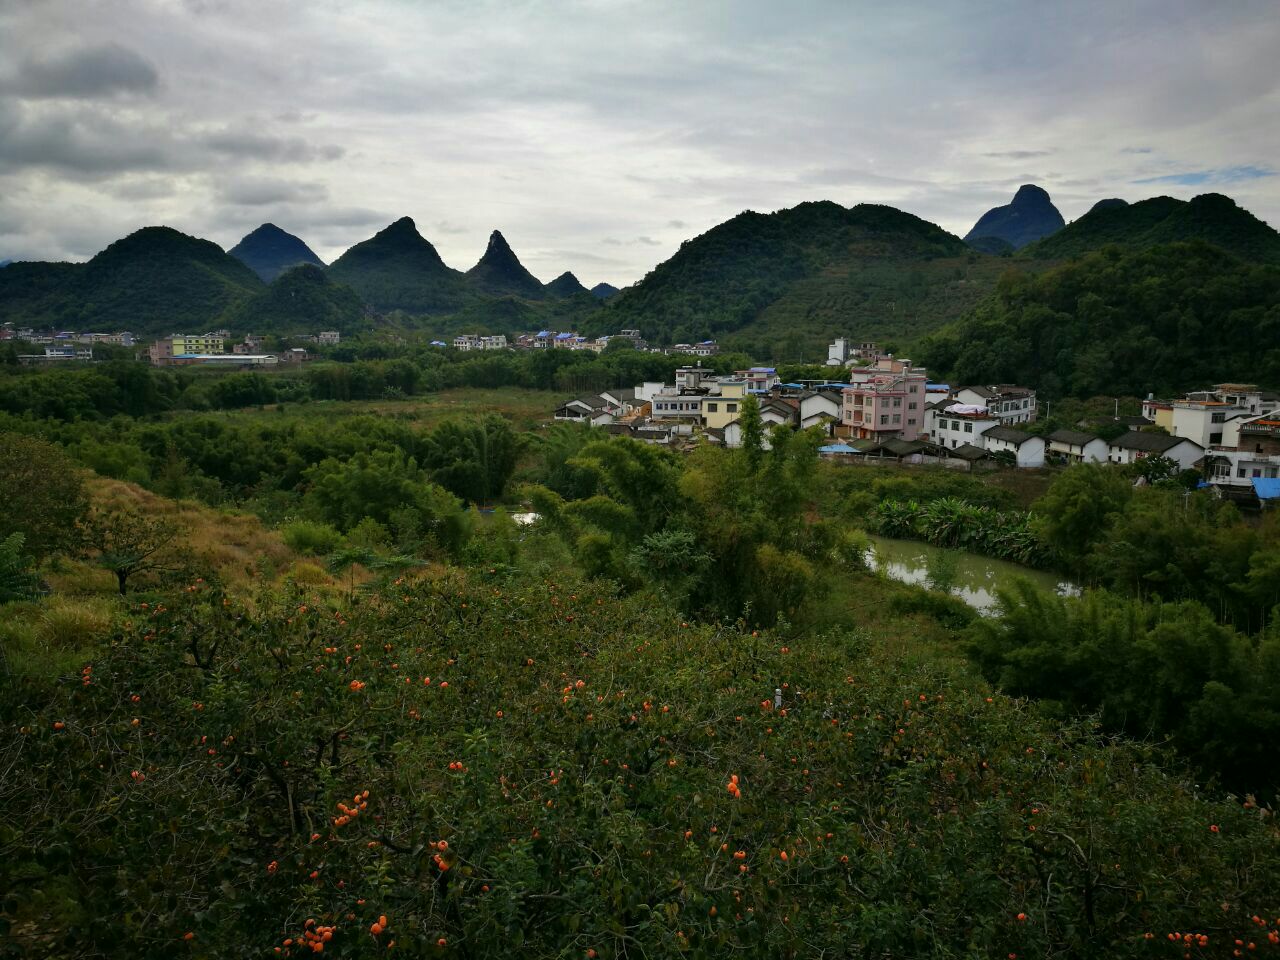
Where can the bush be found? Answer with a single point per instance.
(310, 537)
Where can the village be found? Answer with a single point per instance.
(884, 409)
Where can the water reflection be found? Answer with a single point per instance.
(972, 578)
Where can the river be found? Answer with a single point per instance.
(971, 577)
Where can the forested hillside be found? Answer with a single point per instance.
(154, 281)
(1165, 319)
(1210, 217)
(802, 275)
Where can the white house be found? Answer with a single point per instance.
(1077, 446)
(593, 410)
(1133, 446)
(961, 424)
(1010, 403)
(1027, 448)
(816, 407)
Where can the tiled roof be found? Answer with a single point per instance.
(1009, 435)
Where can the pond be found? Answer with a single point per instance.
(971, 577)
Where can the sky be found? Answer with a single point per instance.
(598, 135)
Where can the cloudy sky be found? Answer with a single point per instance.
(599, 134)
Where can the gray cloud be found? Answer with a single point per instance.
(465, 116)
(84, 73)
(257, 192)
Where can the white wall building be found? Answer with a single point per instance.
(1133, 446)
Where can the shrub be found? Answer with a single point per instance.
(310, 537)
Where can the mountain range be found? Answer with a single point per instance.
(777, 285)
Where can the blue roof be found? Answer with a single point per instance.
(1267, 488)
(837, 448)
(564, 336)
(937, 386)
(762, 370)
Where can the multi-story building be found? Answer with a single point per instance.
(719, 410)
(328, 338)
(887, 405)
(164, 350)
(1012, 404)
(964, 424)
(758, 378)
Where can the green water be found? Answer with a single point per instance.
(969, 576)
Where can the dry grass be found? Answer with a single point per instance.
(234, 546)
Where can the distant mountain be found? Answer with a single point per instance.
(154, 281)
(500, 272)
(604, 291)
(1030, 216)
(1109, 203)
(268, 251)
(565, 285)
(1210, 217)
(397, 269)
(780, 285)
(5, 263)
(304, 299)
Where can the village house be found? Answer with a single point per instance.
(1027, 448)
(953, 428)
(1135, 445)
(592, 410)
(1076, 446)
(719, 410)
(1011, 404)
(164, 351)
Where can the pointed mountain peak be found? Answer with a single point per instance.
(604, 291)
(565, 285)
(500, 271)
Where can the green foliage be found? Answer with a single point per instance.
(18, 579)
(1165, 319)
(951, 522)
(398, 270)
(789, 281)
(42, 492)
(472, 459)
(314, 539)
(558, 786)
(128, 543)
(1211, 218)
(303, 299)
(155, 280)
(1075, 513)
(1152, 669)
(390, 488)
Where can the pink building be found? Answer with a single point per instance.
(888, 405)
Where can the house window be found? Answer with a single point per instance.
(1240, 473)
(884, 418)
(712, 407)
(968, 428)
(911, 405)
(1257, 472)
(911, 422)
(897, 401)
(897, 418)
(731, 408)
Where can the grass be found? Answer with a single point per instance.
(524, 407)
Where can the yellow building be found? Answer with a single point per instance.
(718, 411)
(204, 343)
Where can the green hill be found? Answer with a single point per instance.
(500, 272)
(269, 251)
(1210, 217)
(153, 281)
(397, 269)
(565, 285)
(303, 299)
(782, 284)
(1118, 322)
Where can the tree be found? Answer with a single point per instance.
(472, 459)
(128, 543)
(17, 580)
(42, 492)
(752, 431)
(1079, 509)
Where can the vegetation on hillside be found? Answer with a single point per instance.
(397, 269)
(1210, 218)
(154, 281)
(1119, 322)
(723, 280)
